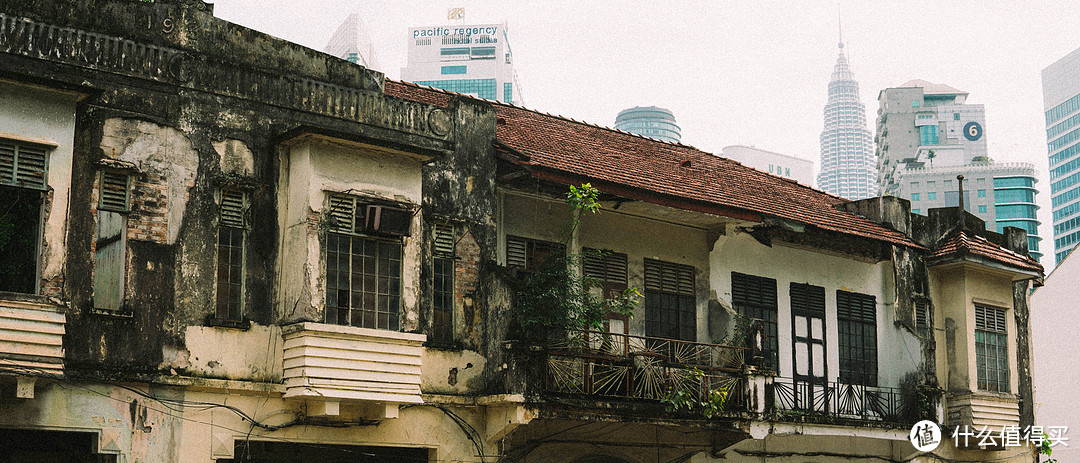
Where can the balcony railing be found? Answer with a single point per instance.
(635, 367)
(837, 400)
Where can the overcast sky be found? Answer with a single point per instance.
(733, 72)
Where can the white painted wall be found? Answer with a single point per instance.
(1054, 327)
(38, 115)
(898, 350)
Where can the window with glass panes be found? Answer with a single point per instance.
(755, 297)
(442, 304)
(363, 272)
(670, 306)
(991, 349)
(230, 262)
(857, 331)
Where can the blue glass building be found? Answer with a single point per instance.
(649, 121)
(1061, 101)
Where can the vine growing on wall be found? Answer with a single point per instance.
(558, 296)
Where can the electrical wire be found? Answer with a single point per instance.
(170, 409)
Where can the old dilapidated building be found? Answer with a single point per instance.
(216, 245)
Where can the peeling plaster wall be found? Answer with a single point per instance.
(154, 149)
(254, 354)
(452, 372)
(315, 168)
(899, 351)
(39, 115)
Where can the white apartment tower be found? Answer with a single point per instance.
(927, 135)
(471, 59)
(848, 168)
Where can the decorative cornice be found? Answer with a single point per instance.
(117, 55)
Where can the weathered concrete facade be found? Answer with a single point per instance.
(251, 251)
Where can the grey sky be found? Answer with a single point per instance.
(733, 72)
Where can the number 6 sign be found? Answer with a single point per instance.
(972, 131)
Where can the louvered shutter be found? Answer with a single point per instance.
(808, 300)
(922, 315)
(343, 214)
(114, 191)
(855, 306)
(669, 278)
(443, 240)
(989, 319)
(515, 252)
(609, 267)
(23, 165)
(232, 209)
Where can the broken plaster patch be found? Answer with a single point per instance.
(235, 157)
(159, 150)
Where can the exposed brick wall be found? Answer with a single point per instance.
(148, 220)
(466, 267)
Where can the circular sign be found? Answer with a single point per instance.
(972, 131)
(925, 435)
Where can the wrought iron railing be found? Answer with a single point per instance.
(636, 367)
(838, 400)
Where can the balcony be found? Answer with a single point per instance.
(620, 366)
(611, 368)
(827, 401)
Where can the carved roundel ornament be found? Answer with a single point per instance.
(439, 122)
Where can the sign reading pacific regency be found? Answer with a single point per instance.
(440, 31)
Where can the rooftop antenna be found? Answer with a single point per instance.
(840, 27)
(963, 215)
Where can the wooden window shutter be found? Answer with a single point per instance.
(443, 240)
(115, 191)
(232, 209)
(23, 165)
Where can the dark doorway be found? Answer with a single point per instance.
(294, 452)
(22, 445)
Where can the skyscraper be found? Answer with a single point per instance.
(650, 121)
(351, 42)
(927, 135)
(471, 59)
(848, 168)
(1061, 101)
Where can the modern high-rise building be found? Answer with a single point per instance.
(847, 162)
(1061, 101)
(649, 121)
(927, 135)
(351, 42)
(471, 59)
(782, 165)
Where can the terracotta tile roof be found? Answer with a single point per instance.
(613, 158)
(964, 243)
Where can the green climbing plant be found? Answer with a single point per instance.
(559, 296)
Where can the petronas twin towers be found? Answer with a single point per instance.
(848, 167)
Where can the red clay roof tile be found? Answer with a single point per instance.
(668, 169)
(962, 243)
